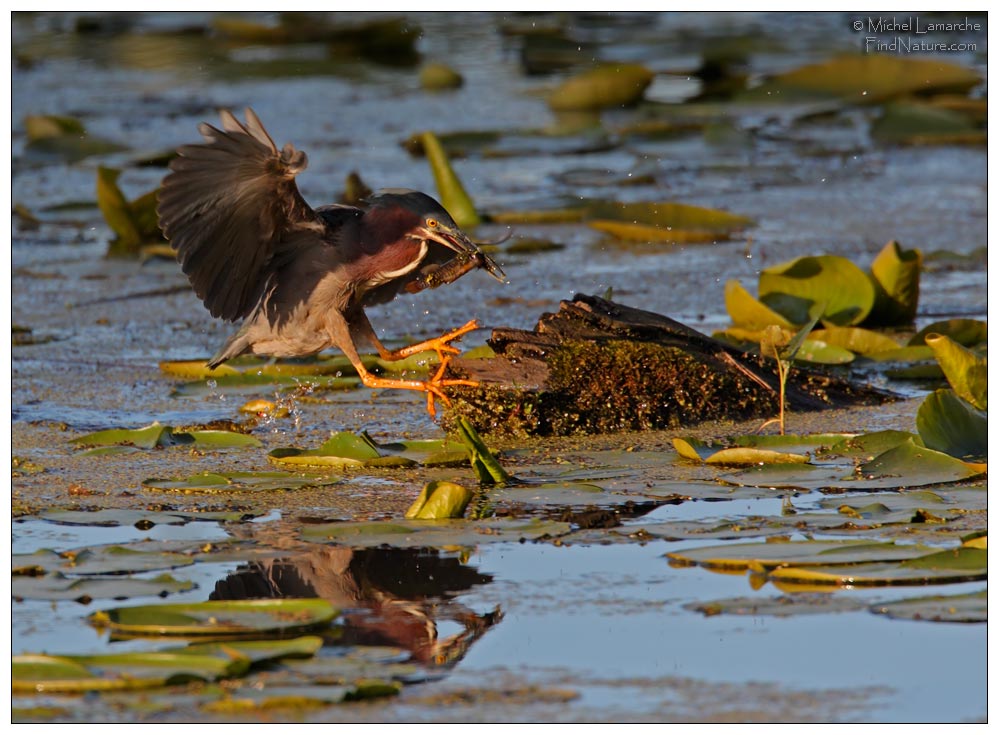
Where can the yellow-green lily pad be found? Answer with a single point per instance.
(226, 617)
(761, 556)
(966, 371)
(749, 312)
(234, 482)
(951, 425)
(440, 499)
(610, 85)
(963, 564)
(967, 332)
(856, 340)
(827, 286)
(896, 281)
(97, 560)
(436, 534)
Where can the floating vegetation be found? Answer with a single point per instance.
(160, 435)
(437, 76)
(607, 86)
(134, 223)
(240, 482)
(452, 193)
(63, 138)
(347, 449)
(440, 499)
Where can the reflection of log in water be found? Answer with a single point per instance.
(597, 366)
(389, 597)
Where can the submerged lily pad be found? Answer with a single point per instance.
(970, 608)
(949, 424)
(917, 123)
(229, 617)
(827, 286)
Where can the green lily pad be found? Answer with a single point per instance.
(134, 223)
(799, 443)
(909, 353)
(970, 608)
(740, 456)
(97, 560)
(231, 617)
(564, 494)
(436, 76)
(762, 556)
(437, 534)
(64, 138)
(440, 499)
(77, 674)
(817, 352)
(918, 123)
(962, 564)
(56, 586)
(949, 424)
(111, 517)
(870, 445)
(452, 193)
(855, 339)
(747, 311)
(966, 372)
(344, 449)
(896, 281)
(783, 606)
(827, 286)
(693, 449)
(631, 231)
(868, 78)
(234, 482)
(256, 651)
(160, 435)
(484, 464)
(967, 332)
(610, 85)
(667, 215)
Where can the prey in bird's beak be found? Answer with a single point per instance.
(468, 252)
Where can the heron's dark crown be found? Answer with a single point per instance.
(416, 202)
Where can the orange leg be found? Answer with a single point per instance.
(440, 345)
(433, 387)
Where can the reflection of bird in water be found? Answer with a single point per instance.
(389, 597)
(300, 278)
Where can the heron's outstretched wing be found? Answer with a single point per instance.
(231, 209)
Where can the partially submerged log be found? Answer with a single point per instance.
(596, 366)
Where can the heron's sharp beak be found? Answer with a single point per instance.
(460, 243)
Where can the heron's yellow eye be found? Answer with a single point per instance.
(431, 223)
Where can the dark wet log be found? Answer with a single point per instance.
(597, 366)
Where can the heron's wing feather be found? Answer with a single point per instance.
(229, 207)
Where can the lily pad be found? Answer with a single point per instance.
(160, 435)
(818, 352)
(967, 332)
(896, 281)
(438, 534)
(440, 499)
(452, 193)
(747, 311)
(230, 617)
(76, 674)
(870, 445)
(740, 456)
(763, 556)
(667, 215)
(652, 234)
(234, 482)
(611, 85)
(56, 586)
(827, 286)
(256, 651)
(969, 608)
(65, 138)
(97, 560)
(346, 449)
(484, 464)
(135, 223)
(783, 606)
(437, 76)
(916, 123)
(962, 564)
(855, 339)
(869, 78)
(949, 424)
(966, 372)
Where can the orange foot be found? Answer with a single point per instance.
(440, 345)
(434, 387)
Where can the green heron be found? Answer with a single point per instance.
(299, 277)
